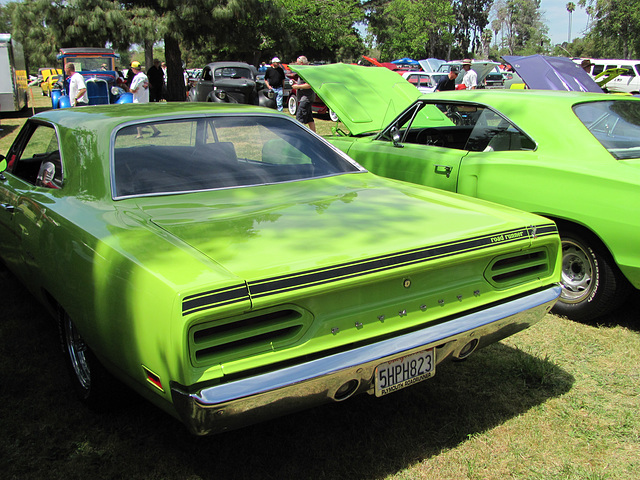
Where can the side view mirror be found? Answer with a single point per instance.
(395, 135)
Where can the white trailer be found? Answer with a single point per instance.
(13, 75)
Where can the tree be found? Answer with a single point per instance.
(412, 28)
(615, 27)
(526, 33)
(570, 8)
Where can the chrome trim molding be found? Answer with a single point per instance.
(250, 400)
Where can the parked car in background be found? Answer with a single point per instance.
(235, 266)
(573, 157)
(231, 82)
(425, 82)
(98, 67)
(625, 82)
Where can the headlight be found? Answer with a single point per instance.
(116, 91)
(221, 94)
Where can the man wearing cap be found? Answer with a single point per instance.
(304, 95)
(448, 82)
(470, 79)
(140, 89)
(274, 78)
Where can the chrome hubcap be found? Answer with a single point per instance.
(577, 272)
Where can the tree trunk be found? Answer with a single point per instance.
(148, 54)
(176, 91)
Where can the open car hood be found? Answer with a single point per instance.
(552, 73)
(365, 99)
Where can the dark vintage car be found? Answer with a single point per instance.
(230, 266)
(231, 82)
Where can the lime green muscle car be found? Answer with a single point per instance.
(573, 157)
(231, 266)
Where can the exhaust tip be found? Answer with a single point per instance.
(346, 390)
(467, 350)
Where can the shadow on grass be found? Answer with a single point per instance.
(47, 433)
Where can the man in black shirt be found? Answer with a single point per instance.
(449, 82)
(274, 78)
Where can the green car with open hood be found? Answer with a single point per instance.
(231, 266)
(573, 157)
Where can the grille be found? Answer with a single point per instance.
(230, 339)
(515, 269)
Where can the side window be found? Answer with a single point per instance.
(597, 69)
(462, 126)
(206, 75)
(630, 71)
(494, 133)
(38, 162)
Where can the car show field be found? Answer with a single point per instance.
(558, 400)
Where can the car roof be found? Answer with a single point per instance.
(109, 117)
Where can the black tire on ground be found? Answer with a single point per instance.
(592, 285)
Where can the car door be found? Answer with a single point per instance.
(33, 169)
(501, 162)
(425, 144)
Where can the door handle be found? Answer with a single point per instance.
(7, 207)
(443, 170)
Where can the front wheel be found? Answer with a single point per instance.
(292, 104)
(333, 116)
(591, 283)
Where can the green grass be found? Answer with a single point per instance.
(557, 401)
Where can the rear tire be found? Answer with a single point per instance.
(591, 282)
(91, 382)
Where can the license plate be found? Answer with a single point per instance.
(404, 371)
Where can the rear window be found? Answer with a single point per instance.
(615, 124)
(187, 155)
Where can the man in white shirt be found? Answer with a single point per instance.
(140, 89)
(139, 85)
(77, 88)
(470, 79)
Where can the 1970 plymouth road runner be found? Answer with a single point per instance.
(231, 266)
(570, 156)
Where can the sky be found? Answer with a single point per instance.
(557, 19)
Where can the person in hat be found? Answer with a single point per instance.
(140, 89)
(448, 82)
(586, 65)
(274, 79)
(470, 79)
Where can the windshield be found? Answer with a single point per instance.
(219, 152)
(615, 124)
(233, 72)
(86, 64)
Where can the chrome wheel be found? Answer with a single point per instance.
(333, 116)
(292, 104)
(579, 271)
(77, 351)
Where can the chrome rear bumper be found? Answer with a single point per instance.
(339, 376)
